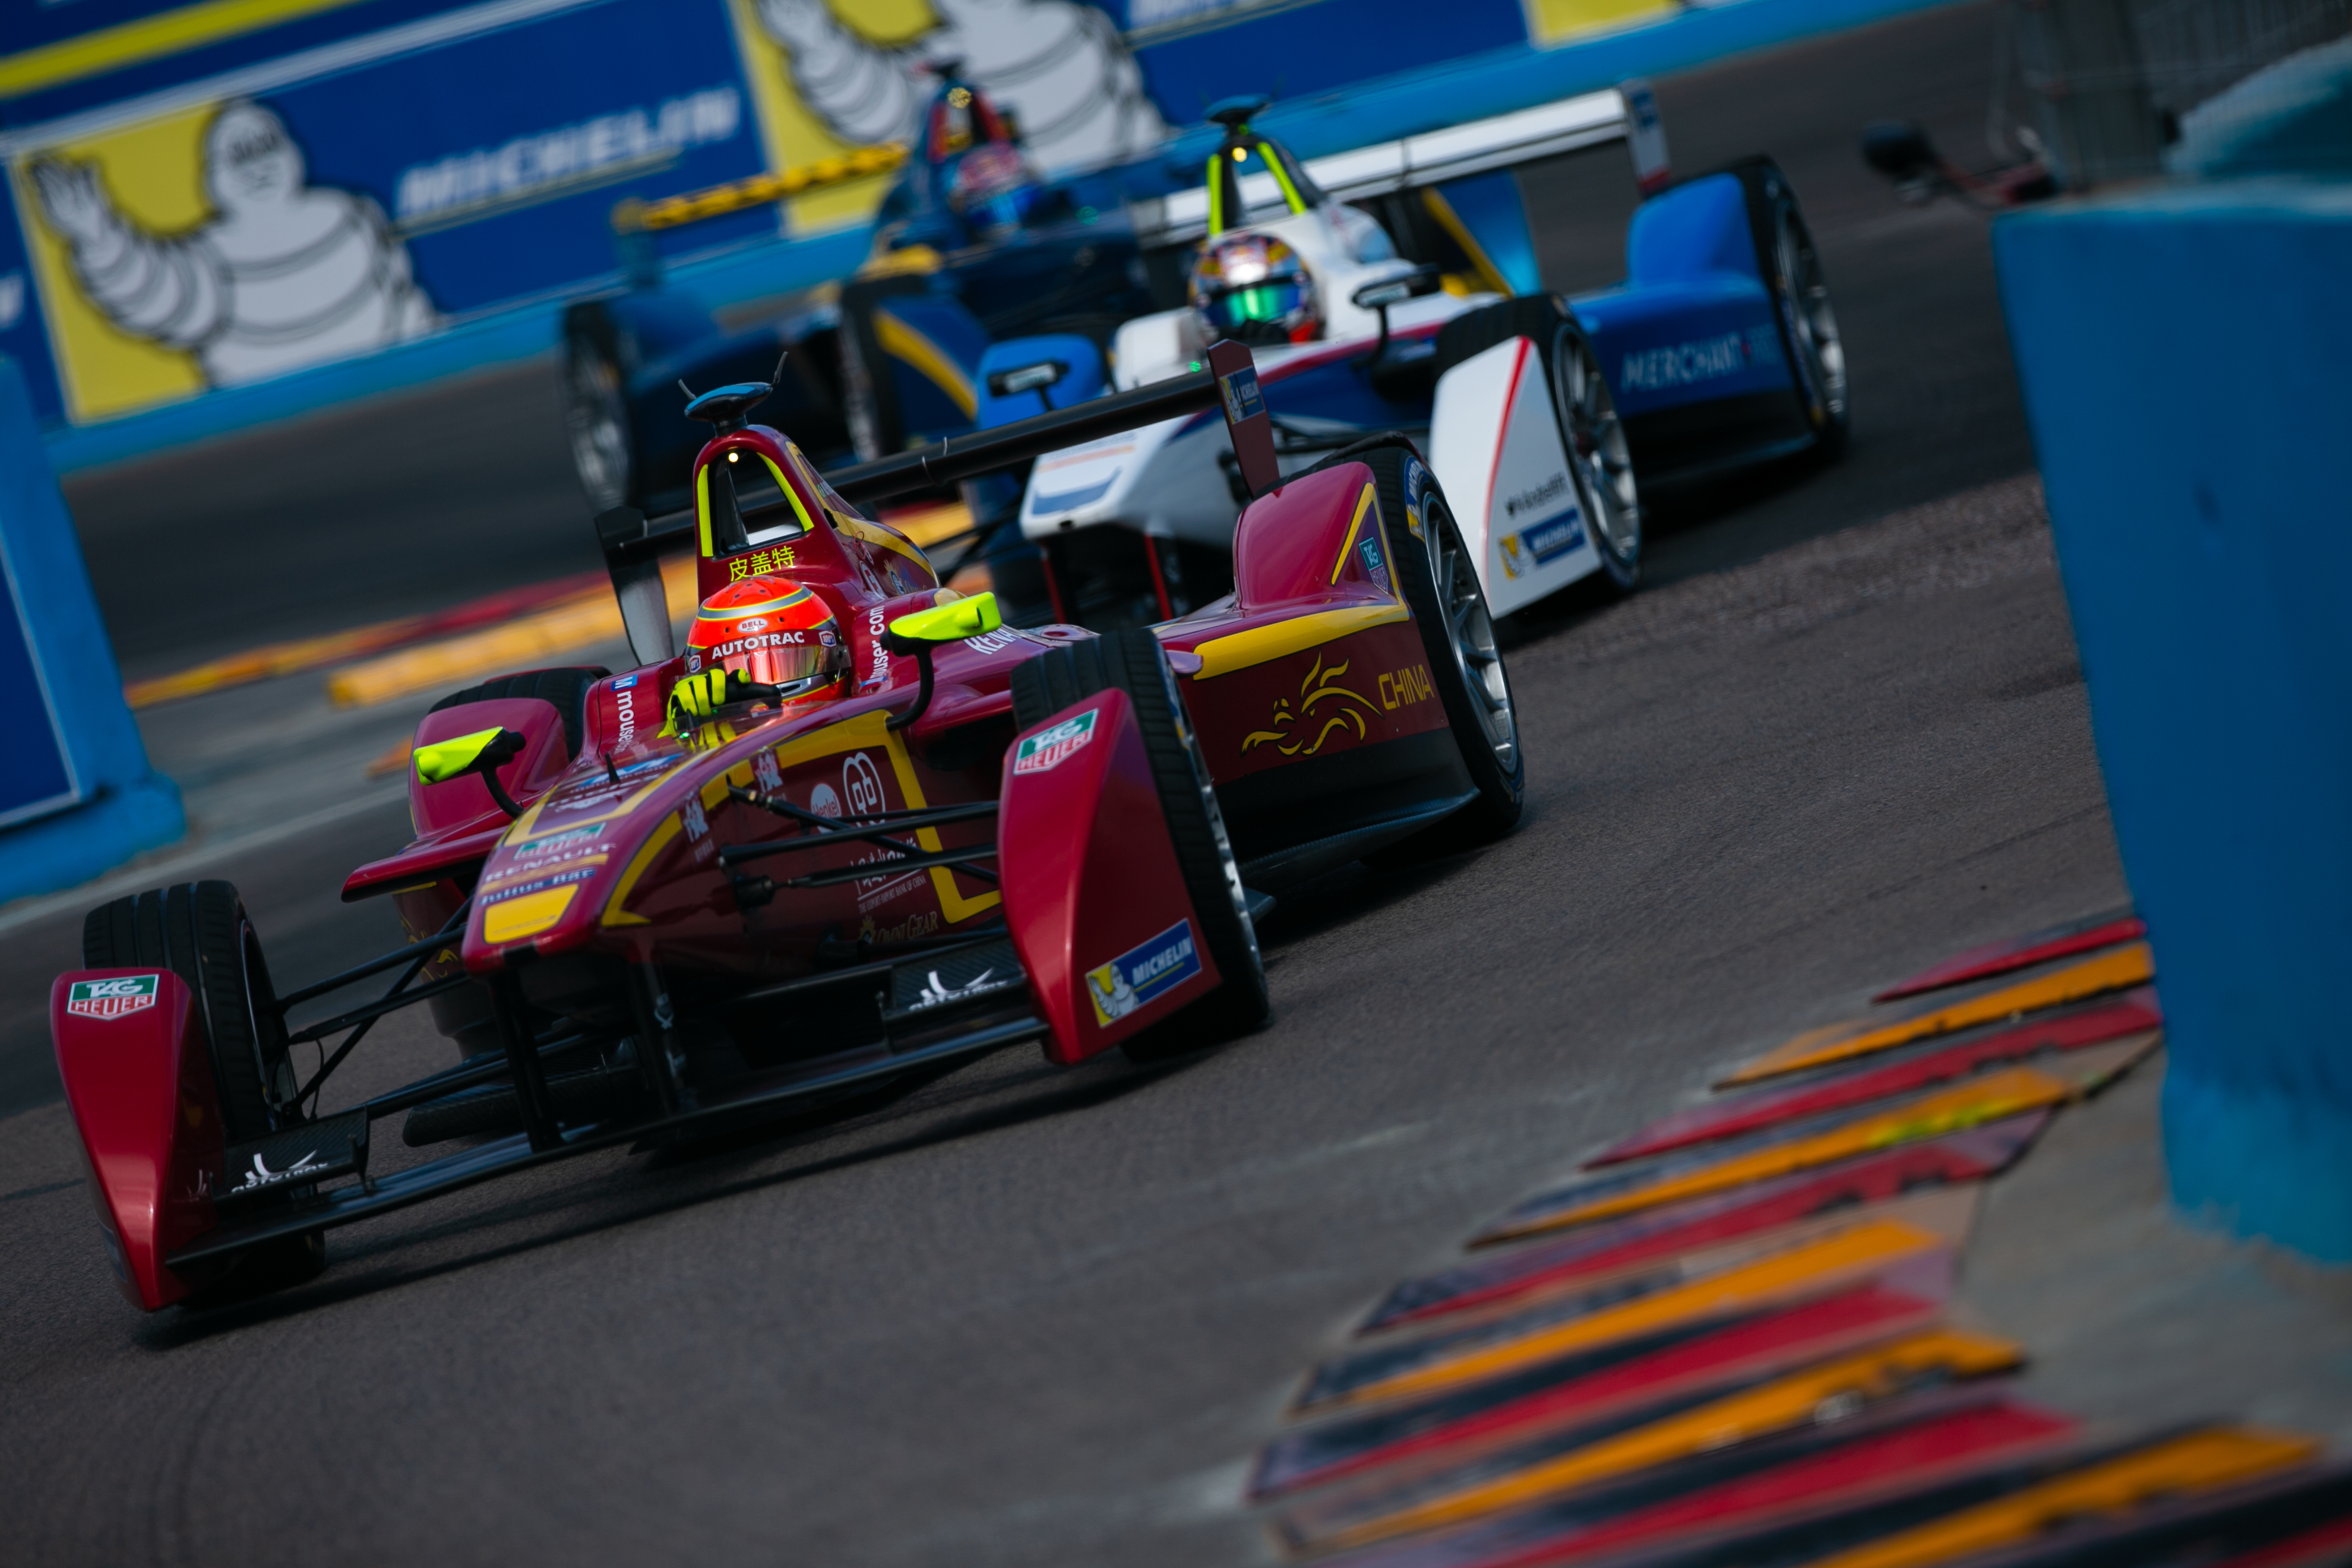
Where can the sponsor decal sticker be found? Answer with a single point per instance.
(625, 683)
(1321, 715)
(1371, 550)
(1707, 359)
(540, 884)
(111, 999)
(598, 790)
(1051, 748)
(1142, 974)
(759, 562)
(262, 1175)
(937, 992)
(921, 924)
(756, 623)
(861, 782)
(874, 628)
(1242, 400)
(764, 771)
(1407, 687)
(824, 802)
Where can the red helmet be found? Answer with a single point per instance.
(773, 631)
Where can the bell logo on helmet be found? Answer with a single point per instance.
(111, 999)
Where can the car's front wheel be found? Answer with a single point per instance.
(1131, 660)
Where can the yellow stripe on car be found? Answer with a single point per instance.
(1260, 645)
(1363, 505)
(511, 920)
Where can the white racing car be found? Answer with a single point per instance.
(1535, 411)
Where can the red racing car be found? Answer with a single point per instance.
(856, 833)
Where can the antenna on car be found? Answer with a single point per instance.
(688, 390)
(778, 373)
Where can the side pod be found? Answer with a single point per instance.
(1092, 892)
(139, 1083)
(1494, 442)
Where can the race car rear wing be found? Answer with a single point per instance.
(1411, 162)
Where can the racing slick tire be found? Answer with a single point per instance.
(1600, 461)
(596, 412)
(1131, 660)
(200, 931)
(1792, 270)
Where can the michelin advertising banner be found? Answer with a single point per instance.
(258, 212)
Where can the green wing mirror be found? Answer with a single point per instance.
(919, 633)
(952, 622)
(484, 751)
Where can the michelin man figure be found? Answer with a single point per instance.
(1073, 89)
(283, 275)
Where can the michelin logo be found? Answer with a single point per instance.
(1709, 359)
(1143, 974)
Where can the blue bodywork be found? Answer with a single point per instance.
(1691, 343)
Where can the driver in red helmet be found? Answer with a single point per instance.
(767, 637)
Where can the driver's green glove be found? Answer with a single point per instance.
(694, 698)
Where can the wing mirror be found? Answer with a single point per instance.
(1022, 378)
(484, 751)
(1422, 280)
(919, 633)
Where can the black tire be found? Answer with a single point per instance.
(199, 931)
(604, 439)
(1131, 659)
(1791, 269)
(1600, 461)
(565, 688)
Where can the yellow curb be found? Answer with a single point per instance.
(1813, 1267)
(264, 663)
(2200, 1461)
(1798, 1399)
(2008, 1092)
(591, 618)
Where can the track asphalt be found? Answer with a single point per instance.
(1029, 1316)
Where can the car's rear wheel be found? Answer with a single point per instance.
(1599, 462)
(1131, 659)
(596, 420)
(200, 931)
(1791, 269)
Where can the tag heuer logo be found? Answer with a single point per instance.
(111, 998)
(1049, 748)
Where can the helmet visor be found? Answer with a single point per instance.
(791, 660)
(1273, 302)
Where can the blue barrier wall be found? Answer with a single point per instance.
(2183, 355)
(77, 795)
(492, 260)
